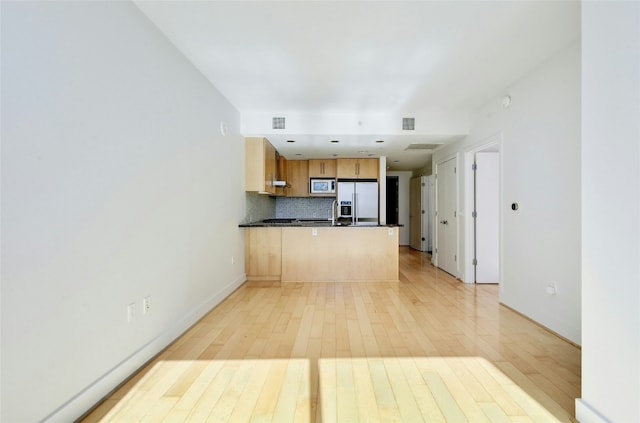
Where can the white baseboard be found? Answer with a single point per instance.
(586, 414)
(95, 392)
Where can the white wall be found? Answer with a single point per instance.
(112, 159)
(404, 187)
(610, 212)
(541, 171)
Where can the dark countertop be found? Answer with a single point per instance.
(315, 223)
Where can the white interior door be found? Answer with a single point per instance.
(446, 217)
(415, 216)
(487, 220)
(429, 222)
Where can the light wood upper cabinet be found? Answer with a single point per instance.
(260, 165)
(297, 178)
(368, 168)
(325, 168)
(357, 169)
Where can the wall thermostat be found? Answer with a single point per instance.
(514, 206)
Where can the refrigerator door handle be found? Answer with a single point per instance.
(354, 206)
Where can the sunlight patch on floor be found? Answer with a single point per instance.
(218, 390)
(430, 389)
(433, 389)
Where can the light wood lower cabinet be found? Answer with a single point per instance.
(339, 254)
(306, 254)
(263, 253)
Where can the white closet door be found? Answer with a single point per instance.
(487, 220)
(447, 226)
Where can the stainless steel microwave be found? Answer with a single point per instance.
(322, 186)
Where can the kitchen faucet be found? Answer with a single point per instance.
(334, 207)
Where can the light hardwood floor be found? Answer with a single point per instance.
(428, 348)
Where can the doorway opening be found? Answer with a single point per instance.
(392, 200)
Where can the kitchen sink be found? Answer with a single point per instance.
(320, 223)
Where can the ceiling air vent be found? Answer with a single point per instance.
(408, 124)
(278, 123)
(422, 146)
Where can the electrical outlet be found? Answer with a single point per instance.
(131, 312)
(314, 231)
(233, 260)
(146, 305)
(552, 288)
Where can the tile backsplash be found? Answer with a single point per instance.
(259, 207)
(304, 208)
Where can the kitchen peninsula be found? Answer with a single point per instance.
(344, 241)
(316, 252)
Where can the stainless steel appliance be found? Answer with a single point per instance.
(359, 202)
(322, 186)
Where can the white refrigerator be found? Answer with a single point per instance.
(363, 197)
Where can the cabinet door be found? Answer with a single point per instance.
(346, 168)
(297, 178)
(367, 168)
(263, 253)
(270, 167)
(254, 164)
(329, 168)
(315, 168)
(324, 168)
(357, 169)
(260, 165)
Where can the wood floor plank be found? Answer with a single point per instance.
(426, 348)
(146, 398)
(188, 401)
(494, 412)
(493, 382)
(328, 389)
(407, 406)
(221, 376)
(385, 399)
(347, 407)
(267, 401)
(296, 372)
(246, 403)
(365, 395)
(446, 402)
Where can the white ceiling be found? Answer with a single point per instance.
(376, 60)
